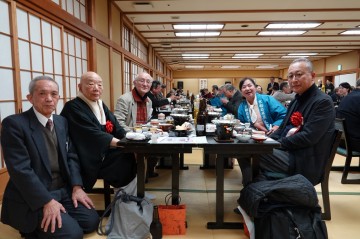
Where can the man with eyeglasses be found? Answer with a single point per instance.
(95, 132)
(135, 107)
(307, 131)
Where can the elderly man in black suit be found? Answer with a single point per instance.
(232, 100)
(155, 90)
(95, 131)
(272, 85)
(307, 131)
(44, 196)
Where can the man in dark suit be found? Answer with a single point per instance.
(272, 85)
(95, 132)
(232, 100)
(307, 132)
(155, 89)
(44, 196)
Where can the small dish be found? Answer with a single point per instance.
(243, 137)
(259, 138)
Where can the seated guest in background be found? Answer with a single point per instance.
(306, 133)
(344, 89)
(214, 90)
(160, 95)
(259, 89)
(95, 133)
(155, 89)
(336, 96)
(44, 196)
(135, 107)
(349, 109)
(262, 111)
(232, 99)
(284, 93)
(206, 94)
(216, 102)
(329, 87)
(271, 85)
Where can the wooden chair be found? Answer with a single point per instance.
(348, 153)
(326, 215)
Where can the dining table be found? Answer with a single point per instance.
(231, 148)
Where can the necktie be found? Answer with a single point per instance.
(49, 124)
(253, 115)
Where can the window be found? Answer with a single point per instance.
(127, 85)
(76, 61)
(77, 8)
(134, 45)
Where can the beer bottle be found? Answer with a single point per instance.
(156, 226)
(201, 119)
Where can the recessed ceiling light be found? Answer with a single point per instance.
(303, 54)
(194, 67)
(351, 32)
(189, 55)
(247, 55)
(196, 34)
(267, 66)
(297, 56)
(293, 25)
(198, 26)
(229, 67)
(280, 33)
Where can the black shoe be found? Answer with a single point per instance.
(153, 175)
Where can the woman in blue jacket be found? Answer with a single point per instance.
(263, 112)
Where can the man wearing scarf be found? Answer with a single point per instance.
(135, 107)
(95, 131)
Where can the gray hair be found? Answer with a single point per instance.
(38, 78)
(308, 63)
(229, 87)
(358, 83)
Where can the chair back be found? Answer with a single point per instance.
(341, 125)
(337, 138)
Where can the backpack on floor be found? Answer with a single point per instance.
(291, 223)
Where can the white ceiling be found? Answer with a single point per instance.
(243, 20)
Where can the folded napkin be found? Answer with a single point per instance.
(135, 136)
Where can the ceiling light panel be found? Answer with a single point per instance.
(194, 67)
(196, 34)
(351, 32)
(192, 56)
(198, 26)
(303, 54)
(230, 67)
(247, 55)
(292, 25)
(267, 66)
(280, 33)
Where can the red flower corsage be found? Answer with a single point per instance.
(109, 126)
(297, 119)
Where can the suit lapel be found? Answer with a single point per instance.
(37, 134)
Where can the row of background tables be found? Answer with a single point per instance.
(223, 151)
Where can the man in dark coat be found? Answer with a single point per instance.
(95, 132)
(273, 85)
(44, 196)
(155, 89)
(307, 131)
(232, 100)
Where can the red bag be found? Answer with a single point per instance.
(172, 218)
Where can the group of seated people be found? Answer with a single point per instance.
(53, 159)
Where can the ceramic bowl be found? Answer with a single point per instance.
(259, 138)
(165, 127)
(243, 137)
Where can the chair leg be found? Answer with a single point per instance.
(326, 215)
(347, 168)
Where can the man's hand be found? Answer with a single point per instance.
(52, 215)
(78, 195)
(224, 100)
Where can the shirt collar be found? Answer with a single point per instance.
(42, 119)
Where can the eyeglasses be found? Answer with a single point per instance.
(142, 81)
(297, 75)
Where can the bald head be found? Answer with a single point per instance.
(91, 85)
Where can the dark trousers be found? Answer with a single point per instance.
(75, 222)
(272, 166)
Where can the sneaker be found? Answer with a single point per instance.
(150, 196)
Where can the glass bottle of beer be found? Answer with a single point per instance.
(201, 119)
(156, 226)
